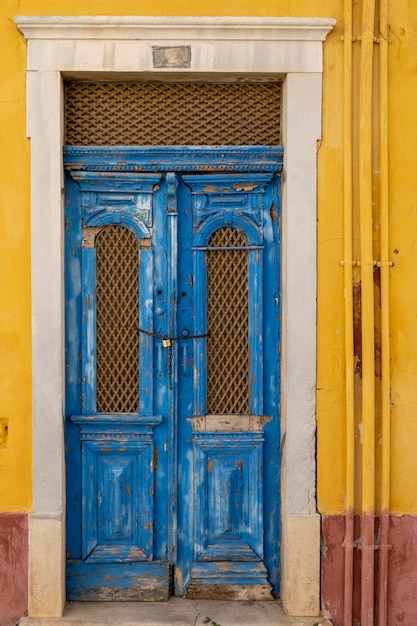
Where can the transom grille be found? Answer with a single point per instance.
(117, 300)
(228, 324)
(172, 113)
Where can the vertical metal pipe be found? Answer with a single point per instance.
(385, 322)
(349, 351)
(367, 322)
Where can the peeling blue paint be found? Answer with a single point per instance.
(210, 508)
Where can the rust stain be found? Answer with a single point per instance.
(357, 328)
(239, 463)
(4, 429)
(210, 466)
(210, 188)
(105, 449)
(155, 458)
(378, 338)
(128, 490)
(272, 212)
(377, 276)
(148, 525)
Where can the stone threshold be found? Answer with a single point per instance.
(175, 612)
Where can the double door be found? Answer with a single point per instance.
(172, 379)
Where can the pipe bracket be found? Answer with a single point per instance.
(371, 548)
(367, 264)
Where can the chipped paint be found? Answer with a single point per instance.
(125, 479)
(244, 186)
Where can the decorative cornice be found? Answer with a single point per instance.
(174, 158)
(174, 28)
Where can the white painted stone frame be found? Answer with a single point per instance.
(220, 46)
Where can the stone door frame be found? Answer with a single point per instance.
(195, 48)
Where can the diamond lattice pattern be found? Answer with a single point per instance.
(228, 323)
(172, 113)
(117, 299)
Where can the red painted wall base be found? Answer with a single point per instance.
(13, 566)
(402, 570)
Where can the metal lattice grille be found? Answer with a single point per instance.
(172, 113)
(228, 322)
(117, 300)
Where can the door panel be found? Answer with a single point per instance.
(221, 406)
(119, 444)
(172, 414)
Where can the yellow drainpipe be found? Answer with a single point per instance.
(367, 322)
(385, 324)
(349, 350)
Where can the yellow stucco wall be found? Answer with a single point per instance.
(15, 322)
(402, 52)
(403, 224)
(15, 325)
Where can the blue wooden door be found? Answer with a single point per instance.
(172, 379)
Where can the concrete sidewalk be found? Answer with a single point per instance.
(175, 612)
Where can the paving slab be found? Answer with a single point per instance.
(175, 612)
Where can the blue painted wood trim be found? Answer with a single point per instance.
(117, 511)
(135, 582)
(231, 572)
(172, 281)
(73, 369)
(228, 465)
(272, 360)
(98, 422)
(146, 307)
(89, 361)
(174, 158)
(113, 198)
(200, 328)
(219, 220)
(255, 328)
(117, 519)
(115, 183)
(225, 183)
